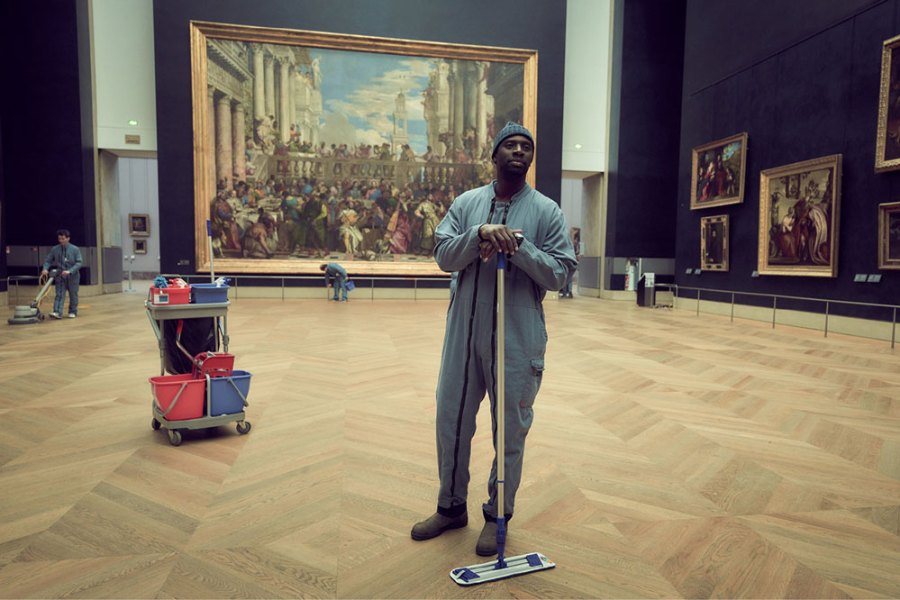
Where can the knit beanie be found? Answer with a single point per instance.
(509, 130)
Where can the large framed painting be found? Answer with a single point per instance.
(714, 243)
(717, 172)
(799, 218)
(889, 235)
(887, 139)
(313, 146)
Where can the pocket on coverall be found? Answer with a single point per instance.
(532, 384)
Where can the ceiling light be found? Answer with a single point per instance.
(578, 146)
(132, 122)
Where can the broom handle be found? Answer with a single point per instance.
(501, 385)
(212, 269)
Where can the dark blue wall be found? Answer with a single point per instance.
(645, 109)
(2, 216)
(533, 24)
(46, 123)
(814, 94)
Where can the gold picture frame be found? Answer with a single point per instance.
(718, 172)
(889, 235)
(799, 218)
(714, 243)
(887, 138)
(237, 74)
(139, 225)
(139, 246)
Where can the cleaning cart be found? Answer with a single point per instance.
(213, 393)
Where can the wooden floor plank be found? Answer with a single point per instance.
(671, 456)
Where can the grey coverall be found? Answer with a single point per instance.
(543, 262)
(65, 259)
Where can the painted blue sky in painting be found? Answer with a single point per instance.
(359, 91)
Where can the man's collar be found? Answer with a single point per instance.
(522, 191)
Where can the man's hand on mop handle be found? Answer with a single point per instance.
(498, 238)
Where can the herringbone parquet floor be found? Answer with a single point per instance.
(672, 456)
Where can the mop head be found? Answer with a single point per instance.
(501, 569)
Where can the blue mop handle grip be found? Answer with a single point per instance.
(501, 260)
(501, 542)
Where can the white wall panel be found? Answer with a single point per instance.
(585, 102)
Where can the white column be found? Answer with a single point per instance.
(292, 101)
(481, 108)
(284, 119)
(259, 83)
(451, 102)
(458, 91)
(224, 168)
(239, 144)
(471, 92)
(270, 86)
(211, 141)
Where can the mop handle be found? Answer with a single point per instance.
(501, 385)
(212, 270)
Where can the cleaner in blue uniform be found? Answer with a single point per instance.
(508, 216)
(67, 258)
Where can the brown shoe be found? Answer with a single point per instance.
(437, 524)
(487, 541)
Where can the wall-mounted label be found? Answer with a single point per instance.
(131, 138)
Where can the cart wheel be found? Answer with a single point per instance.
(155, 424)
(174, 437)
(243, 427)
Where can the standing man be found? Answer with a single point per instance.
(67, 258)
(508, 216)
(336, 275)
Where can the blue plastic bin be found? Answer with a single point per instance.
(225, 393)
(208, 293)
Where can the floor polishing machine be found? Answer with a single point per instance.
(27, 314)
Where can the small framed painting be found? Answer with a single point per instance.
(889, 235)
(139, 225)
(717, 176)
(714, 243)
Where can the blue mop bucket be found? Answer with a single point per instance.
(228, 395)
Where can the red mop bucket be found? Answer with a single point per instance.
(179, 397)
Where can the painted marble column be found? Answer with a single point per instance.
(224, 169)
(211, 141)
(239, 144)
(471, 97)
(451, 112)
(481, 108)
(292, 100)
(284, 118)
(259, 83)
(270, 86)
(458, 91)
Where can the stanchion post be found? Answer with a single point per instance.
(130, 260)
